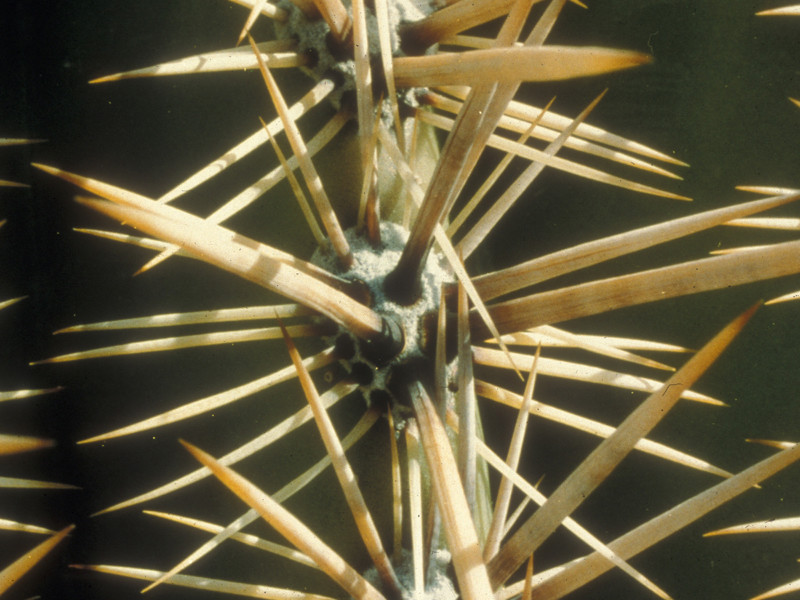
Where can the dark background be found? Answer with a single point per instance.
(715, 96)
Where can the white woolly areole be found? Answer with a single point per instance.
(312, 35)
(371, 266)
(438, 585)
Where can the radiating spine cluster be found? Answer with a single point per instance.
(466, 317)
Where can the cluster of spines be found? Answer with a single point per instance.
(479, 568)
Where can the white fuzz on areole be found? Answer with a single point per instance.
(313, 37)
(438, 585)
(371, 266)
